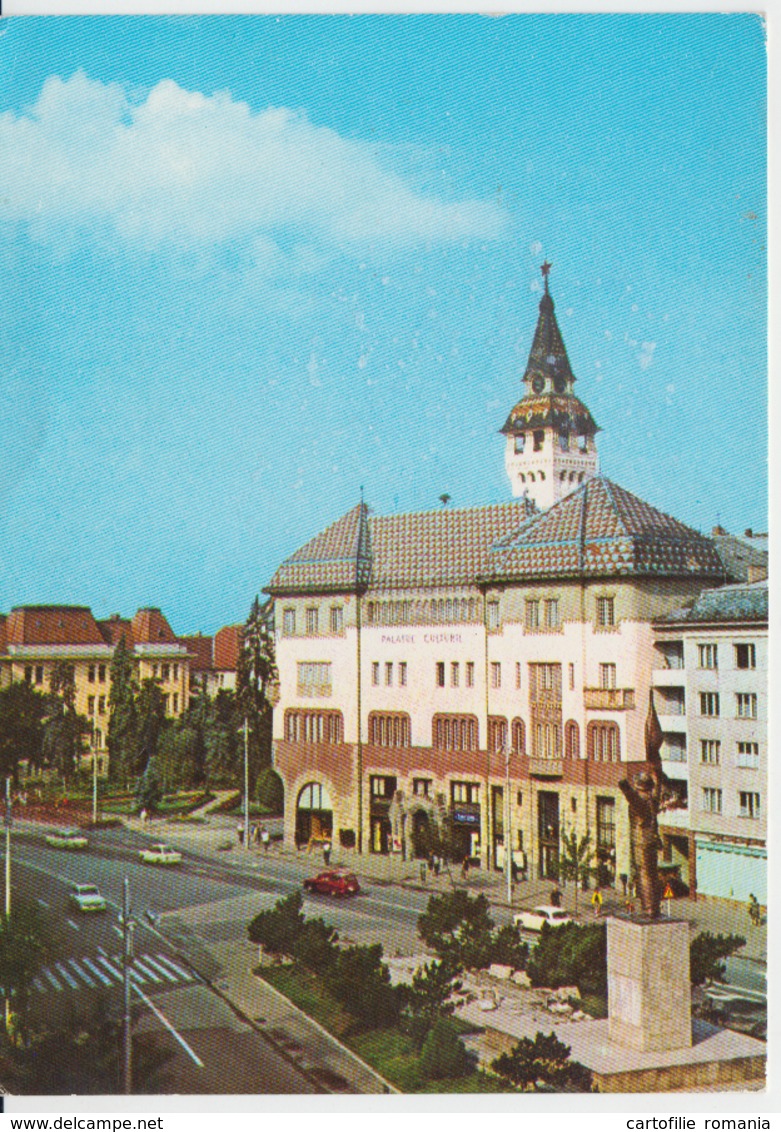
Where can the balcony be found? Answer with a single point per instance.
(609, 699)
(675, 722)
(668, 677)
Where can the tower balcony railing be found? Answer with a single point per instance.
(609, 699)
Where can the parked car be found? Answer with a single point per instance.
(67, 839)
(533, 920)
(87, 898)
(333, 883)
(160, 855)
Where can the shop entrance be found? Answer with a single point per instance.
(422, 841)
(548, 834)
(314, 815)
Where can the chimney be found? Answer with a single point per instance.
(717, 531)
(749, 533)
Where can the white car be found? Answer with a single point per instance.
(532, 921)
(67, 839)
(87, 898)
(160, 855)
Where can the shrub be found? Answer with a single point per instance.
(270, 791)
(458, 928)
(315, 948)
(280, 927)
(443, 1053)
(509, 948)
(570, 954)
(543, 1063)
(360, 981)
(427, 1000)
(707, 952)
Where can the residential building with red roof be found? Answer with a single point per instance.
(424, 658)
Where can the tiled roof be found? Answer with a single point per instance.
(200, 651)
(738, 554)
(602, 530)
(336, 560)
(116, 627)
(426, 548)
(565, 413)
(151, 628)
(52, 625)
(728, 603)
(227, 642)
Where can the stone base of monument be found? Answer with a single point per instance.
(648, 983)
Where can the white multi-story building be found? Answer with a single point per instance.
(711, 690)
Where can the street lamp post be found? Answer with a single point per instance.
(246, 783)
(94, 777)
(128, 926)
(508, 846)
(8, 815)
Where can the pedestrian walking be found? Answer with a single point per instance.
(265, 838)
(555, 898)
(326, 853)
(754, 910)
(624, 883)
(437, 864)
(143, 816)
(596, 902)
(465, 869)
(423, 872)
(240, 833)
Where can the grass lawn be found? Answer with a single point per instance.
(389, 1051)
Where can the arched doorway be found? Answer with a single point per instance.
(422, 842)
(314, 815)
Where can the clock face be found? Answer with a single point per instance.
(538, 384)
(560, 384)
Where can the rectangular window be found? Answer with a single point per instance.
(546, 676)
(176, 701)
(552, 614)
(289, 622)
(28, 673)
(711, 800)
(564, 441)
(465, 792)
(101, 674)
(176, 672)
(709, 703)
(455, 674)
(708, 656)
(314, 678)
(674, 748)
(748, 756)
(607, 675)
(572, 677)
(605, 611)
(337, 618)
(746, 705)
(389, 674)
(518, 675)
(90, 705)
(39, 674)
(745, 656)
(101, 705)
(496, 674)
(470, 674)
(532, 614)
(155, 670)
(165, 674)
(520, 443)
(440, 673)
(710, 751)
(539, 440)
(98, 740)
(375, 673)
(311, 621)
(402, 674)
(493, 614)
(421, 787)
(382, 786)
(748, 805)
(91, 674)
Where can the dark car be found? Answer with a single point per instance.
(333, 883)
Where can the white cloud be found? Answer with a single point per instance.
(646, 355)
(184, 170)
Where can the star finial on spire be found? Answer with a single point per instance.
(545, 269)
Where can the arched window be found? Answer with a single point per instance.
(531, 477)
(571, 740)
(604, 741)
(542, 475)
(313, 726)
(314, 796)
(523, 478)
(563, 476)
(497, 733)
(571, 477)
(581, 477)
(389, 729)
(455, 732)
(518, 735)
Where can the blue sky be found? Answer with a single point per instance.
(252, 264)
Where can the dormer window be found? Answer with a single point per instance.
(539, 440)
(564, 441)
(520, 443)
(582, 443)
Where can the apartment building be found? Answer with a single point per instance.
(711, 690)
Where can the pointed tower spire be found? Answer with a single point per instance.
(550, 433)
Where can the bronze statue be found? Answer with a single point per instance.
(649, 793)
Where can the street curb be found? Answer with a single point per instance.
(387, 1086)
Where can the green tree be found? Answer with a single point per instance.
(707, 954)
(123, 717)
(278, 928)
(224, 745)
(361, 982)
(149, 791)
(22, 712)
(64, 729)
(458, 928)
(270, 791)
(444, 1055)
(150, 713)
(575, 862)
(508, 948)
(570, 955)
(543, 1064)
(26, 941)
(256, 677)
(430, 998)
(316, 946)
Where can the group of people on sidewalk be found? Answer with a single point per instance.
(258, 835)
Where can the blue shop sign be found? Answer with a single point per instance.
(466, 817)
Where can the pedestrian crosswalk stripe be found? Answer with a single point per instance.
(150, 962)
(139, 966)
(180, 971)
(38, 985)
(110, 967)
(67, 976)
(96, 971)
(51, 979)
(90, 982)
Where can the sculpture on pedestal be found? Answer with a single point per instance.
(648, 793)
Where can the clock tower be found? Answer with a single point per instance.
(550, 447)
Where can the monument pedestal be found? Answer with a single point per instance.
(648, 983)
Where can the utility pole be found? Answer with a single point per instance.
(128, 926)
(94, 778)
(8, 815)
(246, 783)
(508, 844)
